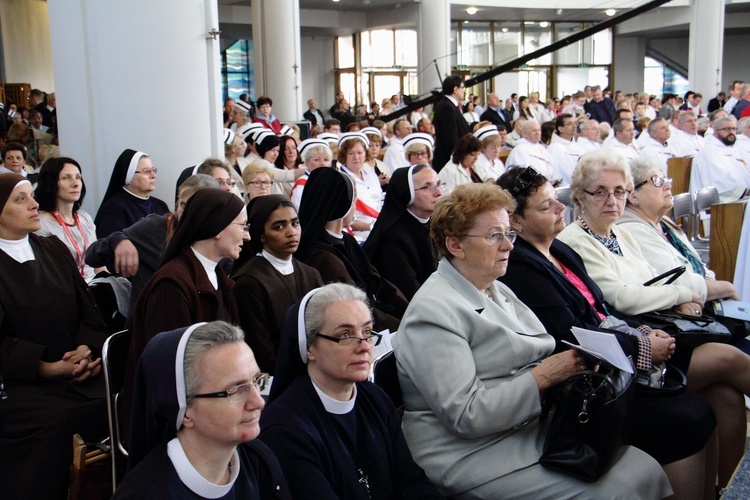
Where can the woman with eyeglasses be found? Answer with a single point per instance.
(474, 363)
(550, 278)
(258, 178)
(399, 245)
(462, 167)
(418, 148)
(613, 260)
(222, 173)
(270, 280)
(662, 242)
(337, 435)
(196, 412)
(189, 285)
(128, 198)
(489, 164)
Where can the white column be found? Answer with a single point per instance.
(276, 54)
(433, 28)
(138, 74)
(706, 46)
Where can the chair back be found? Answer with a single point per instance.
(705, 198)
(385, 376)
(114, 360)
(503, 155)
(684, 207)
(564, 196)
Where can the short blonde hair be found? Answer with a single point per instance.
(255, 168)
(591, 165)
(417, 147)
(456, 212)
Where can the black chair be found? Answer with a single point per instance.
(385, 376)
(114, 360)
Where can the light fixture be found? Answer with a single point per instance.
(610, 12)
(466, 22)
(504, 30)
(543, 24)
(471, 11)
(528, 23)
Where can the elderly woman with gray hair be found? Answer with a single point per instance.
(474, 363)
(602, 183)
(337, 435)
(196, 414)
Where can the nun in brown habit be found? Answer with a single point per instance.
(50, 344)
(189, 286)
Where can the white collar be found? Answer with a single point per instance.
(133, 194)
(333, 405)
(19, 250)
(209, 266)
(191, 478)
(423, 221)
(452, 99)
(285, 267)
(336, 235)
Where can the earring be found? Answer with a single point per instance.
(519, 230)
(636, 202)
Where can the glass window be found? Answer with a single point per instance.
(237, 72)
(382, 55)
(570, 54)
(365, 49)
(507, 42)
(411, 83)
(454, 45)
(406, 48)
(658, 79)
(385, 86)
(475, 44)
(535, 37)
(602, 47)
(347, 86)
(345, 49)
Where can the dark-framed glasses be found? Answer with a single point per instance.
(242, 392)
(657, 180)
(495, 237)
(433, 187)
(226, 182)
(259, 184)
(525, 179)
(368, 336)
(603, 194)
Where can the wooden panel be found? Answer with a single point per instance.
(503, 155)
(17, 93)
(726, 228)
(679, 170)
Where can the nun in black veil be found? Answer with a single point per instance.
(399, 245)
(337, 436)
(188, 441)
(128, 198)
(326, 209)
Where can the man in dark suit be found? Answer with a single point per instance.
(599, 108)
(448, 120)
(37, 102)
(717, 102)
(494, 112)
(313, 114)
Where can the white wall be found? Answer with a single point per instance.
(27, 50)
(318, 79)
(139, 75)
(628, 64)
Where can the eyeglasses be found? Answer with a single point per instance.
(147, 171)
(657, 180)
(433, 187)
(226, 182)
(601, 194)
(523, 180)
(730, 129)
(423, 154)
(245, 226)
(369, 336)
(261, 183)
(495, 237)
(242, 392)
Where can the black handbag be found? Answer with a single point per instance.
(691, 331)
(589, 423)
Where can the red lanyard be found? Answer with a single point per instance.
(70, 236)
